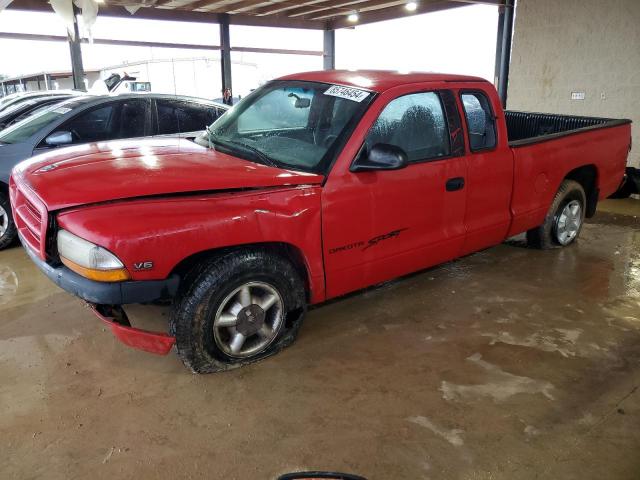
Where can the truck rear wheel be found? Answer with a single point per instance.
(565, 218)
(237, 309)
(8, 231)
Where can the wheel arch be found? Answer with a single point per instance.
(287, 250)
(587, 177)
(4, 188)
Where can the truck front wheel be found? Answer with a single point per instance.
(565, 218)
(237, 309)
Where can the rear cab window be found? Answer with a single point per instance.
(480, 119)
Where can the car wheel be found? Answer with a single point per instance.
(565, 218)
(8, 232)
(236, 309)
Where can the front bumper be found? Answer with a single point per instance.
(151, 342)
(105, 299)
(118, 293)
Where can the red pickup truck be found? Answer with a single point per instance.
(315, 185)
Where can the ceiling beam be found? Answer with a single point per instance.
(209, 5)
(482, 2)
(176, 4)
(301, 12)
(393, 13)
(240, 6)
(359, 8)
(284, 6)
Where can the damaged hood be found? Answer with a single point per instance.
(101, 172)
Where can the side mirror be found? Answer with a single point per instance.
(382, 156)
(319, 475)
(57, 139)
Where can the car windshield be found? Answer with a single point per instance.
(290, 124)
(23, 130)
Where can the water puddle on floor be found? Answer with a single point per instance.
(21, 283)
(8, 284)
(500, 385)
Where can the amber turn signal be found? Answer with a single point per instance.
(116, 275)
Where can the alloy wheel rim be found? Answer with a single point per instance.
(4, 221)
(248, 320)
(569, 222)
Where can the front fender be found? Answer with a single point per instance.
(152, 236)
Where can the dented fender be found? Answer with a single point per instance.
(160, 233)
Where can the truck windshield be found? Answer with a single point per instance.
(290, 124)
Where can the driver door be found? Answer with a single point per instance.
(378, 225)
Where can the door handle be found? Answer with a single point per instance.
(454, 184)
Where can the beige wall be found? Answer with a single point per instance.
(590, 46)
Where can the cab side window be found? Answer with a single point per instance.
(481, 122)
(415, 123)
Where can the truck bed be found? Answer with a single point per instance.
(549, 148)
(525, 128)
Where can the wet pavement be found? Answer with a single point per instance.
(507, 364)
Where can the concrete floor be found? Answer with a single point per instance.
(508, 364)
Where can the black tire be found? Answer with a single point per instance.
(10, 234)
(546, 236)
(209, 285)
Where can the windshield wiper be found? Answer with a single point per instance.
(209, 133)
(264, 159)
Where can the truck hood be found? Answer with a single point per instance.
(116, 170)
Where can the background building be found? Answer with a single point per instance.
(578, 57)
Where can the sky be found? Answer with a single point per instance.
(460, 40)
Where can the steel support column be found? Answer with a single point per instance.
(225, 59)
(76, 55)
(496, 76)
(503, 49)
(329, 50)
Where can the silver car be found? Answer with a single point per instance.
(89, 118)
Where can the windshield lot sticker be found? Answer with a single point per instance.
(62, 110)
(349, 93)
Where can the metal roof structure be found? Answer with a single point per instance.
(315, 14)
(325, 15)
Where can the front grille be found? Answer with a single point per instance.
(30, 216)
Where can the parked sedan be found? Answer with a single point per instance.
(88, 119)
(21, 110)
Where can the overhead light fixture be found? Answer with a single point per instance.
(354, 17)
(411, 6)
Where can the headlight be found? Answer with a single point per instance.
(90, 260)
